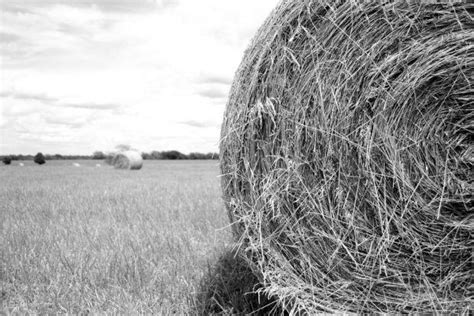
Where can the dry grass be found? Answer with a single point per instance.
(99, 240)
(347, 155)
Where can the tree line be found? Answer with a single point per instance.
(99, 155)
(175, 155)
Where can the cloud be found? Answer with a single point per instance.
(128, 6)
(7, 38)
(73, 30)
(197, 124)
(71, 124)
(95, 72)
(14, 8)
(92, 106)
(56, 33)
(28, 96)
(56, 102)
(214, 79)
(212, 93)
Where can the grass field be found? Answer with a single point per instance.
(100, 240)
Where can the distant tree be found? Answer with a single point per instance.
(203, 156)
(196, 156)
(24, 157)
(39, 159)
(212, 156)
(193, 156)
(98, 155)
(173, 155)
(123, 147)
(7, 160)
(156, 155)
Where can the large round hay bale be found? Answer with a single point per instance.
(347, 155)
(129, 159)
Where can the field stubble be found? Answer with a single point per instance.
(102, 240)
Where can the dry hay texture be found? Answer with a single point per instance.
(347, 155)
(128, 160)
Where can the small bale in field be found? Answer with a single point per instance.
(98, 165)
(76, 164)
(347, 156)
(21, 164)
(129, 159)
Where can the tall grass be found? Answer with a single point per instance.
(103, 240)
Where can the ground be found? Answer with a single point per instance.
(95, 239)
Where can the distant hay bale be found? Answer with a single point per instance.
(76, 164)
(347, 156)
(129, 159)
(21, 164)
(98, 165)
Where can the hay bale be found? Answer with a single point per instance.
(347, 155)
(98, 165)
(21, 164)
(129, 159)
(75, 164)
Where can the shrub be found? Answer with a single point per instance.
(172, 155)
(39, 159)
(7, 160)
(98, 155)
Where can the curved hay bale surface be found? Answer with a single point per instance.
(347, 155)
(128, 160)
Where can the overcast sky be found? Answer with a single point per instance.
(81, 75)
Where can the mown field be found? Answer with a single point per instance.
(101, 240)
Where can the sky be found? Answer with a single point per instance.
(78, 76)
